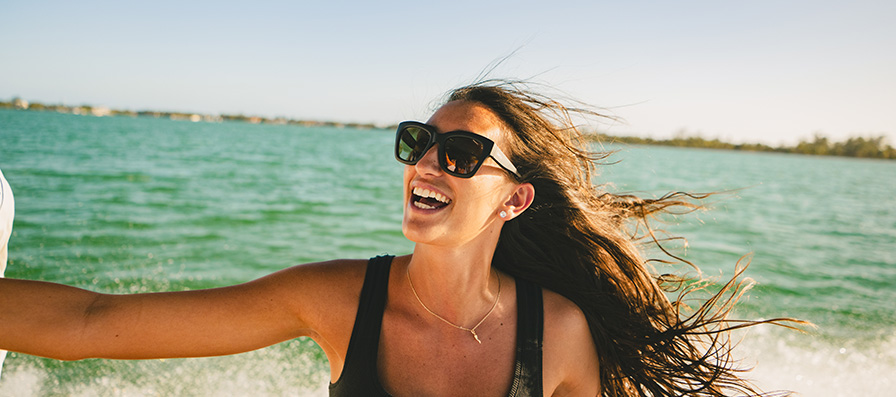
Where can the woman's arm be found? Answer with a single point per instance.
(68, 323)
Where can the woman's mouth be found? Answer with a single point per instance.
(428, 200)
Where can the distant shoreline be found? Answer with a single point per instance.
(857, 146)
(860, 147)
(102, 111)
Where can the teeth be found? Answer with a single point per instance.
(431, 194)
(423, 206)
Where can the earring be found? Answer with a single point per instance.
(503, 214)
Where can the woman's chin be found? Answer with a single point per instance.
(421, 234)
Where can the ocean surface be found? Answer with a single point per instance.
(128, 205)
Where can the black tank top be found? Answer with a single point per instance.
(359, 375)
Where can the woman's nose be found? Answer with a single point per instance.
(429, 164)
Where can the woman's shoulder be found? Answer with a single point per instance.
(334, 283)
(328, 279)
(570, 357)
(326, 272)
(561, 311)
(566, 328)
(323, 295)
(338, 268)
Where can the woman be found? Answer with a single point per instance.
(523, 281)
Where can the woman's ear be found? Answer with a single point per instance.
(519, 200)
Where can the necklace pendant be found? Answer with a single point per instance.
(475, 336)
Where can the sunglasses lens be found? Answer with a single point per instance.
(412, 143)
(463, 154)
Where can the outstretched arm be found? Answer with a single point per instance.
(68, 323)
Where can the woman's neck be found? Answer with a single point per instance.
(456, 283)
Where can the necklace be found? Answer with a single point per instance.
(470, 330)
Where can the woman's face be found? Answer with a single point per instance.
(444, 210)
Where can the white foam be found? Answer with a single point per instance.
(783, 360)
(23, 382)
(292, 369)
(31, 381)
(814, 366)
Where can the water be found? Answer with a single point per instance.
(132, 205)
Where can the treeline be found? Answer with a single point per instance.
(100, 111)
(872, 147)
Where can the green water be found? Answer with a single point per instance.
(141, 204)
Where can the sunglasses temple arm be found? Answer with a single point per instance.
(503, 161)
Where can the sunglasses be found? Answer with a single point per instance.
(461, 153)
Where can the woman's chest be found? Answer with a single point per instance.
(429, 358)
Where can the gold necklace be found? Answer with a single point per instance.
(470, 330)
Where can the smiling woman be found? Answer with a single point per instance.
(524, 280)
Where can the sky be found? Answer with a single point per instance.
(772, 72)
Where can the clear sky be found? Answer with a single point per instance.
(747, 71)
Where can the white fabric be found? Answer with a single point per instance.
(7, 211)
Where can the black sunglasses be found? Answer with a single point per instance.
(461, 153)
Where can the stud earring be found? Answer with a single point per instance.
(503, 214)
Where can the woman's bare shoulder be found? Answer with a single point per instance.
(564, 315)
(331, 281)
(328, 270)
(323, 294)
(570, 357)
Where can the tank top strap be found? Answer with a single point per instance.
(527, 377)
(359, 374)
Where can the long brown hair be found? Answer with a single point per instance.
(582, 242)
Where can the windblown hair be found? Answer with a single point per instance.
(583, 243)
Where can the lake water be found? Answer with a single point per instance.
(140, 204)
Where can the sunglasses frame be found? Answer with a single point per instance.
(488, 147)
